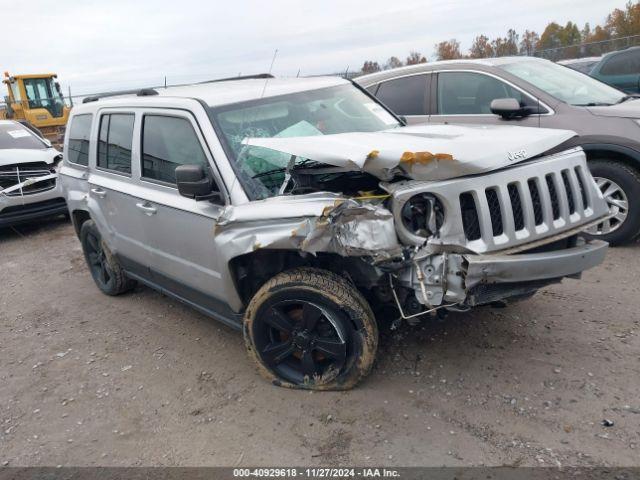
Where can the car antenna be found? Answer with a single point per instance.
(266, 80)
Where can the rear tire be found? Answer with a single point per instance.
(105, 269)
(620, 184)
(311, 329)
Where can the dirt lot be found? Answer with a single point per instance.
(140, 379)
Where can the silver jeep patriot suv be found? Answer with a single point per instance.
(294, 209)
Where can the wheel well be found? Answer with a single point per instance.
(78, 217)
(611, 155)
(250, 271)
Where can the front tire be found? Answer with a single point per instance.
(311, 329)
(620, 185)
(105, 269)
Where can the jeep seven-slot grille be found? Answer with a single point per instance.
(530, 203)
(516, 206)
(535, 201)
(14, 174)
(470, 221)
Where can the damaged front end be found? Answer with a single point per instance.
(442, 230)
(29, 189)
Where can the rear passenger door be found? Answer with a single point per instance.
(406, 96)
(180, 230)
(465, 97)
(113, 188)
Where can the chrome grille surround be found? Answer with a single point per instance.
(537, 225)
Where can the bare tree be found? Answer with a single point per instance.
(370, 67)
(529, 42)
(622, 23)
(448, 50)
(393, 62)
(415, 57)
(481, 47)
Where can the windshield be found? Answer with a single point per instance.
(326, 111)
(13, 135)
(564, 84)
(43, 93)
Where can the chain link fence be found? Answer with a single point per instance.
(591, 49)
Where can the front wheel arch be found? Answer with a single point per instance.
(624, 171)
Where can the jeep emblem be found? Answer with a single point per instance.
(519, 155)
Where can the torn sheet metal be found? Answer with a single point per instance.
(354, 228)
(281, 207)
(425, 152)
(320, 224)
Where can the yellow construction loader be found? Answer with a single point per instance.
(37, 101)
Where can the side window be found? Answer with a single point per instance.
(372, 89)
(405, 96)
(627, 63)
(79, 139)
(467, 93)
(166, 143)
(16, 91)
(114, 142)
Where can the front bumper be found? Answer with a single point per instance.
(484, 269)
(15, 210)
(470, 279)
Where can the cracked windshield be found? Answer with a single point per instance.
(317, 112)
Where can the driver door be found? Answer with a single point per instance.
(180, 230)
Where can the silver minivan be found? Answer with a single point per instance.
(531, 92)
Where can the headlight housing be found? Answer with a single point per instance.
(423, 215)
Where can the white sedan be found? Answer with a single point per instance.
(29, 187)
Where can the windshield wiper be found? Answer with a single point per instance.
(291, 166)
(269, 172)
(627, 97)
(594, 104)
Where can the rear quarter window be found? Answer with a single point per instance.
(79, 132)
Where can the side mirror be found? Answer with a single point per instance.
(193, 182)
(506, 107)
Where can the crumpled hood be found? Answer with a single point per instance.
(424, 152)
(628, 109)
(13, 156)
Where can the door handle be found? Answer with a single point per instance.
(98, 192)
(147, 208)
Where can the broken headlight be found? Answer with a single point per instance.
(423, 215)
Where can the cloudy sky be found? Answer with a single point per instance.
(97, 45)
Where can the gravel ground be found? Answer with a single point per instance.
(140, 379)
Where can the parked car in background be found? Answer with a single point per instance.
(620, 69)
(531, 92)
(295, 208)
(29, 188)
(582, 65)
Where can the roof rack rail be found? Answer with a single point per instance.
(258, 76)
(145, 92)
